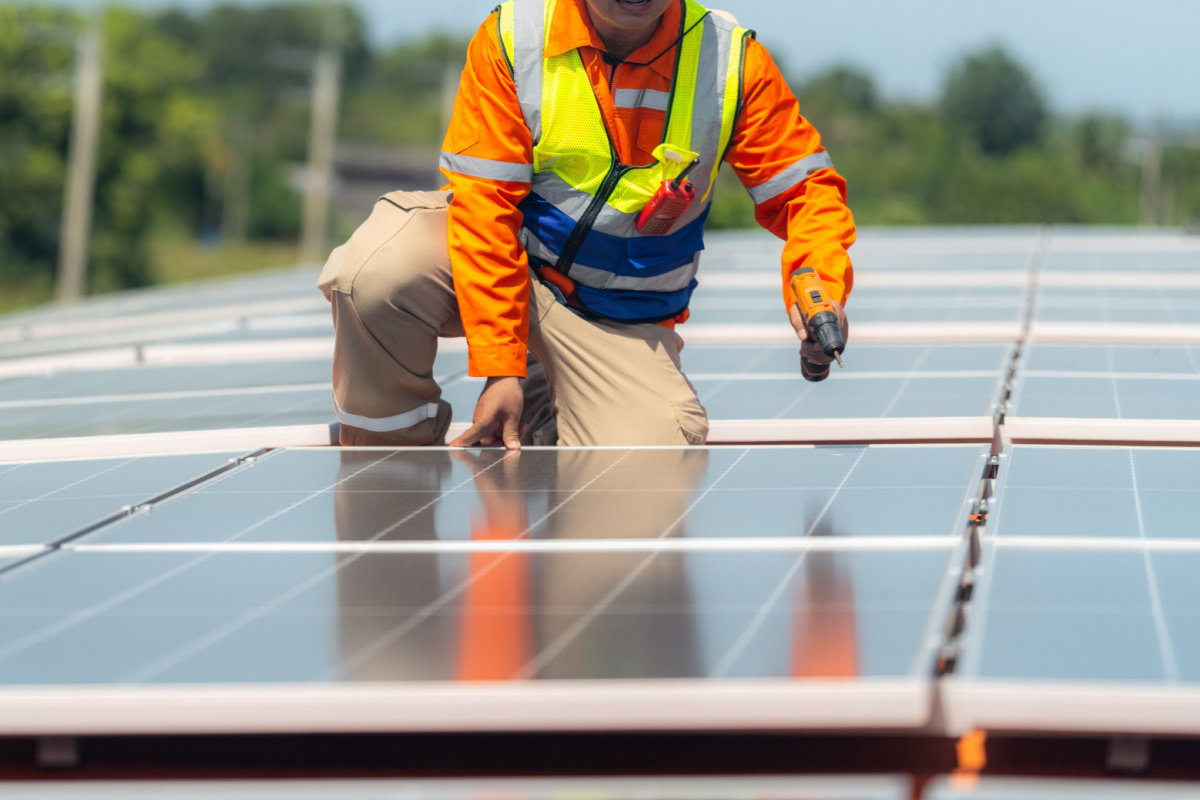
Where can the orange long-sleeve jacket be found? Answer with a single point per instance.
(491, 272)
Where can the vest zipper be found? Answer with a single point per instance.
(582, 228)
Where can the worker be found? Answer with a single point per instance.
(570, 116)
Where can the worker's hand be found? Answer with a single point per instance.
(810, 349)
(497, 415)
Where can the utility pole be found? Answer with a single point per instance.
(451, 77)
(322, 137)
(79, 195)
(1152, 179)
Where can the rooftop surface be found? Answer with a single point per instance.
(985, 522)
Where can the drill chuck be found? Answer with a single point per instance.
(828, 334)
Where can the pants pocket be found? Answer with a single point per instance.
(693, 421)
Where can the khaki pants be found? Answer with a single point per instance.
(393, 295)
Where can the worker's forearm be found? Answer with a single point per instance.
(820, 230)
(491, 275)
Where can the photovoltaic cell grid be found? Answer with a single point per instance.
(1086, 613)
(344, 567)
(43, 502)
(166, 398)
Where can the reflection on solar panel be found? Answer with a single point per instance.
(1085, 617)
(742, 787)
(598, 499)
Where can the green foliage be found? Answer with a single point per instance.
(151, 124)
(206, 111)
(994, 101)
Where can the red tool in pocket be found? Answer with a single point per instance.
(669, 203)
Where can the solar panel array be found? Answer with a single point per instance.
(987, 513)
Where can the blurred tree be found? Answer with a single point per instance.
(841, 89)
(995, 102)
(258, 71)
(150, 126)
(1103, 141)
(399, 100)
(36, 55)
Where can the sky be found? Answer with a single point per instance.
(1139, 59)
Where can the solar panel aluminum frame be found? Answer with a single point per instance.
(145, 444)
(676, 705)
(1109, 332)
(642, 787)
(861, 332)
(1033, 430)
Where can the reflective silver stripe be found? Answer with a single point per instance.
(529, 44)
(535, 248)
(796, 173)
(486, 168)
(385, 424)
(596, 278)
(560, 194)
(642, 98)
(710, 102)
(671, 281)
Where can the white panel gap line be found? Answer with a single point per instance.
(202, 643)
(1093, 543)
(842, 376)
(386, 640)
(161, 396)
(1165, 646)
(901, 542)
(1126, 376)
(549, 653)
(751, 630)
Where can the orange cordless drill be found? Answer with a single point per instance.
(821, 321)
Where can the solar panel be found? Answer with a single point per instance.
(1106, 393)
(1084, 617)
(741, 787)
(555, 550)
(44, 502)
